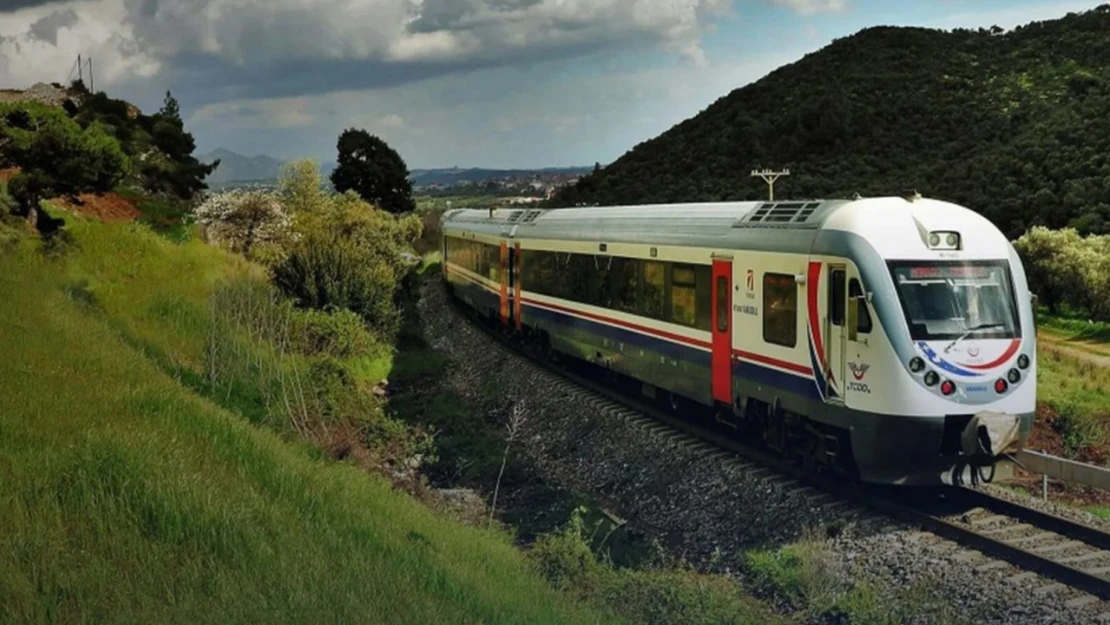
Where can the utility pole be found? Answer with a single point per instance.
(770, 177)
(80, 69)
(92, 83)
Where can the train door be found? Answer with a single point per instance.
(721, 320)
(836, 336)
(504, 275)
(515, 273)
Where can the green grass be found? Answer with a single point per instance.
(1075, 327)
(126, 496)
(1079, 393)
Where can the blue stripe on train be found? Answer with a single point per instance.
(674, 351)
(760, 374)
(740, 368)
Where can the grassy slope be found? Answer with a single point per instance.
(125, 496)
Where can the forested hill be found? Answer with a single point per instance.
(1015, 125)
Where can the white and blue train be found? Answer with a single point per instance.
(888, 338)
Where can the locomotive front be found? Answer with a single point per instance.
(952, 297)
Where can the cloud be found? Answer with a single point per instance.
(501, 117)
(813, 7)
(46, 29)
(224, 49)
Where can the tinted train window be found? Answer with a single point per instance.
(704, 297)
(722, 304)
(684, 287)
(836, 297)
(655, 284)
(863, 325)
(780, 309)
(625, 277)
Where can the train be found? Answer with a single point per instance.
(888, 339)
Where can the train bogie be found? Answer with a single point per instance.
(889, 338)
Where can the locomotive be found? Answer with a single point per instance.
(890, 339)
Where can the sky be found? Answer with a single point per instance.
(468, 83)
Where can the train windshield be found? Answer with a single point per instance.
(952, 299)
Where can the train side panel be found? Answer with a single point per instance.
(614, 330)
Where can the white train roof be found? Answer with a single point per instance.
(894, 226)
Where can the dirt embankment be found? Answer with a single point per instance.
(111, 206)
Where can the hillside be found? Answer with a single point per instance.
(1015, 125)
(132, 494)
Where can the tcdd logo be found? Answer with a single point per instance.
(751, 280)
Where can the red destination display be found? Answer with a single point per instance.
(950, 271)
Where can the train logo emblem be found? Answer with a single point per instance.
(973, 352)
(751, 280)
(858, 369)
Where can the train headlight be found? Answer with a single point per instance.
(1000, 386)
(917, 364)
(1014, 376)
(947, 387)
(944, 240)
(1023, 361)
(931, 378)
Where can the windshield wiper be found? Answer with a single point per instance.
(982, 326)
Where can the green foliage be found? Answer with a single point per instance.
(301, 187)
(126, 497)
(55, 155)
(1015, 127)
(340, 334)
(1065, 269)
(159, 142)
(370, 167)
(348, 255)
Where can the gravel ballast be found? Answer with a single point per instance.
(711, 509)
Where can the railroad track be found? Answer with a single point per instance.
(996, 531)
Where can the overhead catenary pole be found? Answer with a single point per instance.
(770, 177)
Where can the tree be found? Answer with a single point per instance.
(301, 187)
(374, 170)
(55, 157)
(170, 108)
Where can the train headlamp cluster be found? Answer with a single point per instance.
(948, 387)
(942, 240)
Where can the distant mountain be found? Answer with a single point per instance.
(237, 169)
(1015, 125)
(455, 175)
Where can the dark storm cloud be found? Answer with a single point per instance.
(46, 29)
(7, 6)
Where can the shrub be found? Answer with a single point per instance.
(250, 222)
(339, 333)
(349, 256)
(1067, 270)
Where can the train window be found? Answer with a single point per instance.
(626, 281)
(836, 297)
(722, 304)
(780, 309)
(683, 295)
(704, 298)
(654, 289)
(864, 324)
